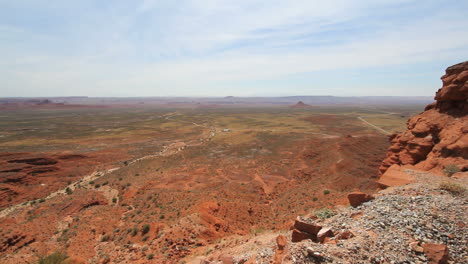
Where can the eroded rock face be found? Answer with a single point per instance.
(438, 136)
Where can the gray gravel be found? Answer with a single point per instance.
(413, 213)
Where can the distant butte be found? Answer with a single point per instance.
(301, 104)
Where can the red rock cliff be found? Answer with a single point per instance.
(438, 136)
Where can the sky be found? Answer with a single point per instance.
(229, 48)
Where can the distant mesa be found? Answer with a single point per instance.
(39, 103)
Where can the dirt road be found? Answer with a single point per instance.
(383, 131)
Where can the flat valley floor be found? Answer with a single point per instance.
(98, 183)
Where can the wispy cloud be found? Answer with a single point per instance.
(210, 47)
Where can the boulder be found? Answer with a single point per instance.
(280, 250)
(357, 198)
(307, 225)
(298, 236)
(281, 241)
(394, 176)
(324, 233)
(436, 253)
(414, 246)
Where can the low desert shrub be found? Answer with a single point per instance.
(451, 169)
(105, 238)
(256, 231)
(453, 188)
(324, 213)
(134, 231)
(55, 258)
(326, 192)
(145, 229)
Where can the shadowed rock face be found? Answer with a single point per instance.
(438, 136)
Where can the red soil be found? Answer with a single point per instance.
(30, 176)
(189, 200)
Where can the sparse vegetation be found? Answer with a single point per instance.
(453, 188)
(451, 169)
(256, 231)
(55, 258)
(134, 231)
(150, 256)
(105, 238)
(257, 144)
(145, 229)
(324, 213)
(68, 190)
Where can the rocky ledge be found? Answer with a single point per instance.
(437, 139)
(422, 222)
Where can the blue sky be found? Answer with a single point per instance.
(220, 48)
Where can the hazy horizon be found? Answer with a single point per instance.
(206, 48)
(207, 97)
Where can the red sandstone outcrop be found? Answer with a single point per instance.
(357, 198)
(305, 228)
(438, 137)
(280, 250)
(436, 253)
(324, 233)
(395, 176)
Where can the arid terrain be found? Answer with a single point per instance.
(233, 132)
(163, 185)
(218, 182)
